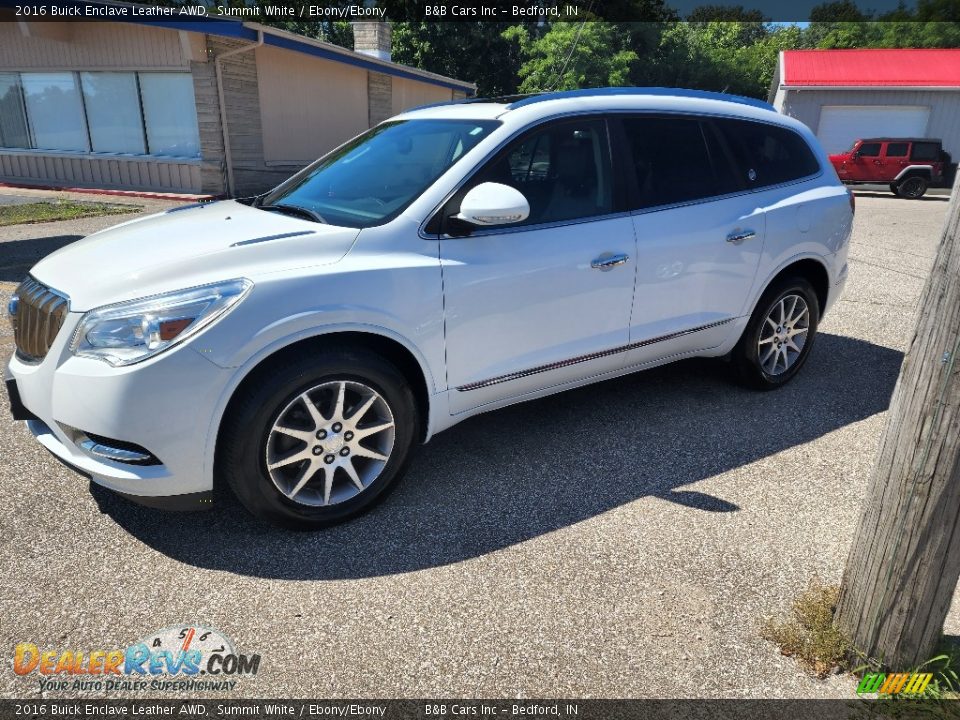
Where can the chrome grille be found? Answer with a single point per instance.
(39, 315)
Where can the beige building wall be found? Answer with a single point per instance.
(284, 109)
(90, 46)
(410, 93)
(308, 105)
(32, 46)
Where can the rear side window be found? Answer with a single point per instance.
(897, 149)
(768, 154)
(869, 150)
(925, 151)
(676, 160)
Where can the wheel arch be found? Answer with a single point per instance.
(810, 268)
(924, 171)
(405, 358)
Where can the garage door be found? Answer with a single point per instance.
(840, 125)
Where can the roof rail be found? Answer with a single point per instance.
(503, 100)
(659, 91)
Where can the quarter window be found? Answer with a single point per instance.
(768, 154)
(897, 149)
(563, 170)
(925, 151)
(676, 160)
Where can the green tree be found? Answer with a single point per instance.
(474, 51)
(724, 56)
(573, 55)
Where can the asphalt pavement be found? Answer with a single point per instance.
(621, 540)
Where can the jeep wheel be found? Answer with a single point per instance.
(894, 188)
(319, 439)
(779, 336)
(912, 187)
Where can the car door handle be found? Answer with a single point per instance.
(608, 262)
(738, 236)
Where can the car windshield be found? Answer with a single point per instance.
(374, 177)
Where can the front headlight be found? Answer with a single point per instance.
(129, 332)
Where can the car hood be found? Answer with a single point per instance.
(185, 247)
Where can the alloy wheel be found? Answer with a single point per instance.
(330, 443)
(911, 187)
(784, 334)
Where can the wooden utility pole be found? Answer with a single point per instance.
(905, 560)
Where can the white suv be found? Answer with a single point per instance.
(452, 260)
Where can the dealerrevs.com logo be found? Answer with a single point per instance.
(175, 659)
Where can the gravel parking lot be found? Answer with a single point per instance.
(620, 540)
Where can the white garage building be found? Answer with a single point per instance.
(843, 95)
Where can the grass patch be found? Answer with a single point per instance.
(50, 211)
(809, 635)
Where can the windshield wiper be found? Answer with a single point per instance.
(295, 210)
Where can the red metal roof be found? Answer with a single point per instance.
(866, 68)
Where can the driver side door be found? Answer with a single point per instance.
(543, 302)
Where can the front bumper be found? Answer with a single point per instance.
(164, 404)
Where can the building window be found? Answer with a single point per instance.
(113, 112)
(170, 114)
(13, 118)
(127, 113)
(55, 111)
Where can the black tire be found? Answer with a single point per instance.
(242, 453)
(912, 187)
(895, 189)
(746, 358)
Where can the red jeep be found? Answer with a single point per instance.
(909, 165)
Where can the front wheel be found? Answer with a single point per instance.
(779, 336)
(912, 187)
(318, 440)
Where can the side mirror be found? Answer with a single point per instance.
(493, 204)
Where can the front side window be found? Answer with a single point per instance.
(768, 154)
(897, 149)
(563, 170)
(375, 176)
(869, 150)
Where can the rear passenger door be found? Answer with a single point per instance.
(895, 159)
(700, 234)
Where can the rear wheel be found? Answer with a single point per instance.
(912, 187)
(894, 189)
(780, 334)
(318, 440)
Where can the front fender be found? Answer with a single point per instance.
(266, 351)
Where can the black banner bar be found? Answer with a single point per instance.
(221, 709)
(498, 11)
